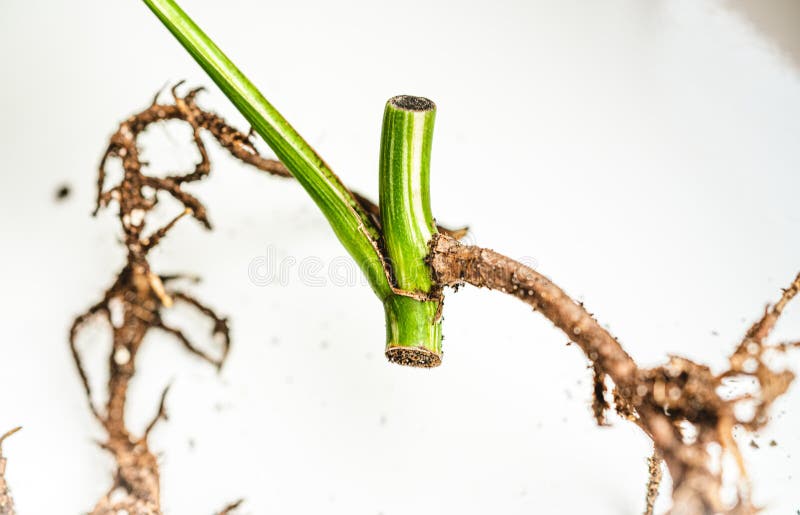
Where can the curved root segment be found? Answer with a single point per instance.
(677, 405)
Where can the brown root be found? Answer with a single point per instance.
(230, 508)
(134, 303)
(677, 405)
(653, 482)
(599, 403)
(6, 501)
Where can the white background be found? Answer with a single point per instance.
(643, 154)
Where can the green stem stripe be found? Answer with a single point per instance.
(350, 223)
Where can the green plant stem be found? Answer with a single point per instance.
(413, 326)
(351, 224)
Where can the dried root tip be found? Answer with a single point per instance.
(6, 502)
(413, 357)
(231, 508)
(599, 402)
(458, 233)
(7, 434)
(653, 482)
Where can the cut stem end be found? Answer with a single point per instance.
(419, 357)
(412, 103)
